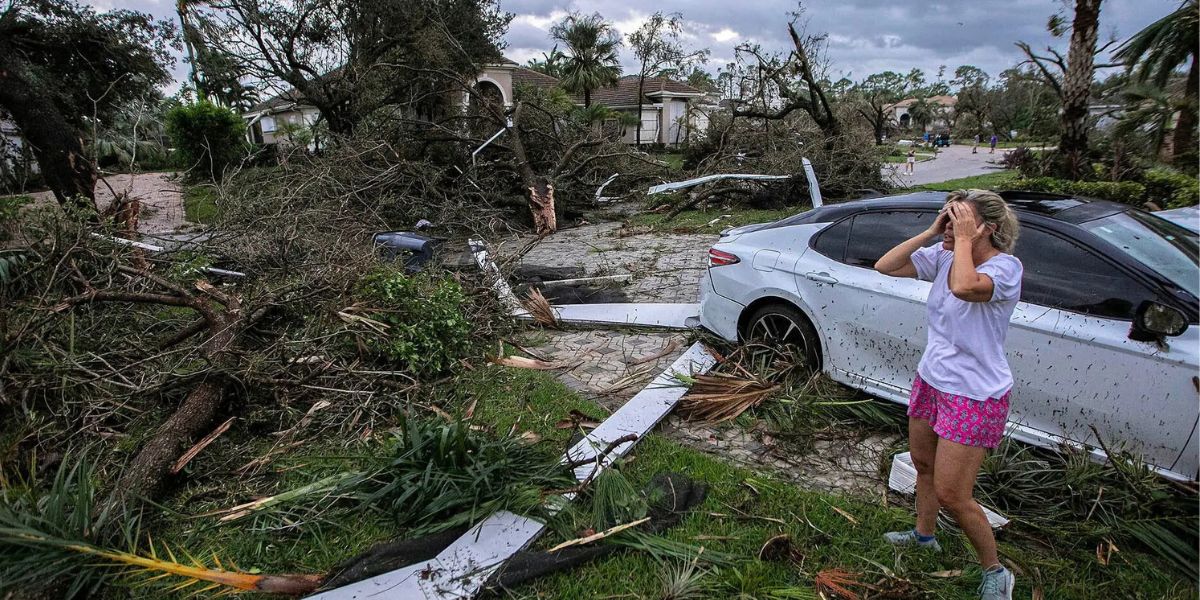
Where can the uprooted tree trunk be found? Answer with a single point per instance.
(224, 320)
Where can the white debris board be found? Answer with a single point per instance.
(672, 316)
(462, 569)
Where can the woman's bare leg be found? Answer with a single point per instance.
(955, 468)
(923, 443)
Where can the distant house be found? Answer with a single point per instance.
(943, 118)
(672, 112)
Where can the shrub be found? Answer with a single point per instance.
(426, 328)
(207, 137)
(1127, 192)
(1171, 189)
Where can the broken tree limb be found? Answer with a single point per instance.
(681, 185)
(200, 446)
(598, 536)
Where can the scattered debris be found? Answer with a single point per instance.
(668, 349)
(521, 362)
(835, 581)
(414, 249)
(600, 190)
(719, 398)
(539, 308)
(598, 536)
(200, 446)
(503, 291)
(463, 568)
(780, 549)
(576, 419)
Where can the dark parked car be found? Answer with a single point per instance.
(942, 140)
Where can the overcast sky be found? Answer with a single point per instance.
(865, 36)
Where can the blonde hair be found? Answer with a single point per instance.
(993, 210)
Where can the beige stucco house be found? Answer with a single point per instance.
(672, 112)
(944, 113)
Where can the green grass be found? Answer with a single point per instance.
(996, 180)
(200, 204)
(696, 221)
(771, 507)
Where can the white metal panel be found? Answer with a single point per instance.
(673, 316)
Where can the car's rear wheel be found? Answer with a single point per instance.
(784, 327)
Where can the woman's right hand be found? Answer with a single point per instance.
(939, 224)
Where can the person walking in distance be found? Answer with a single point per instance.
(993, 143)
(960, 394)
(975, 146)
(910, 162)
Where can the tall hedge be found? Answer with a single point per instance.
(207, 138)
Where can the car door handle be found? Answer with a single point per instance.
(821, 277)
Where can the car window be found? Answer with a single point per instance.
(1062, 274)
(872, 234)
(832, 240)
(1163, 246)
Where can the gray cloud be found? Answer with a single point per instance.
(865, 36)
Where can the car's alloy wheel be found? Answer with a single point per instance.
(779, 327)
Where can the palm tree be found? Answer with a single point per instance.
(1154, 53)
(591, 50)
(1148, 110)
(922, 113)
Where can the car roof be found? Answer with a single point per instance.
(1070, 209)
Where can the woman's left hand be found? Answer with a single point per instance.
(966, 227)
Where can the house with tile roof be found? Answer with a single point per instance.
(944, 112)
(672, 112)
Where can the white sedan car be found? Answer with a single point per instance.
(1099, 342)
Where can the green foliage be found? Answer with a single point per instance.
(1170, 188)
(67, 509)
(426, 330)
(207, 137)
(591, 53)
(200, 204)
(437, 475)
(1127, 192)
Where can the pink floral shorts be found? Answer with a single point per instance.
(958, 418)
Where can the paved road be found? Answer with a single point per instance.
(952, 163)
(161, 196)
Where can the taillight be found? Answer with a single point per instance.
(717, 258)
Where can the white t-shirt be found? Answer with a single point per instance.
(964, 354)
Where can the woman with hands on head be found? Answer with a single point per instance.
(960, 394)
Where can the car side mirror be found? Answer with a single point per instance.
(1154, 321)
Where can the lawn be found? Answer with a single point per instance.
(742, 510)
(996, 180)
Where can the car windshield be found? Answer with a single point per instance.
(1165, 247)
